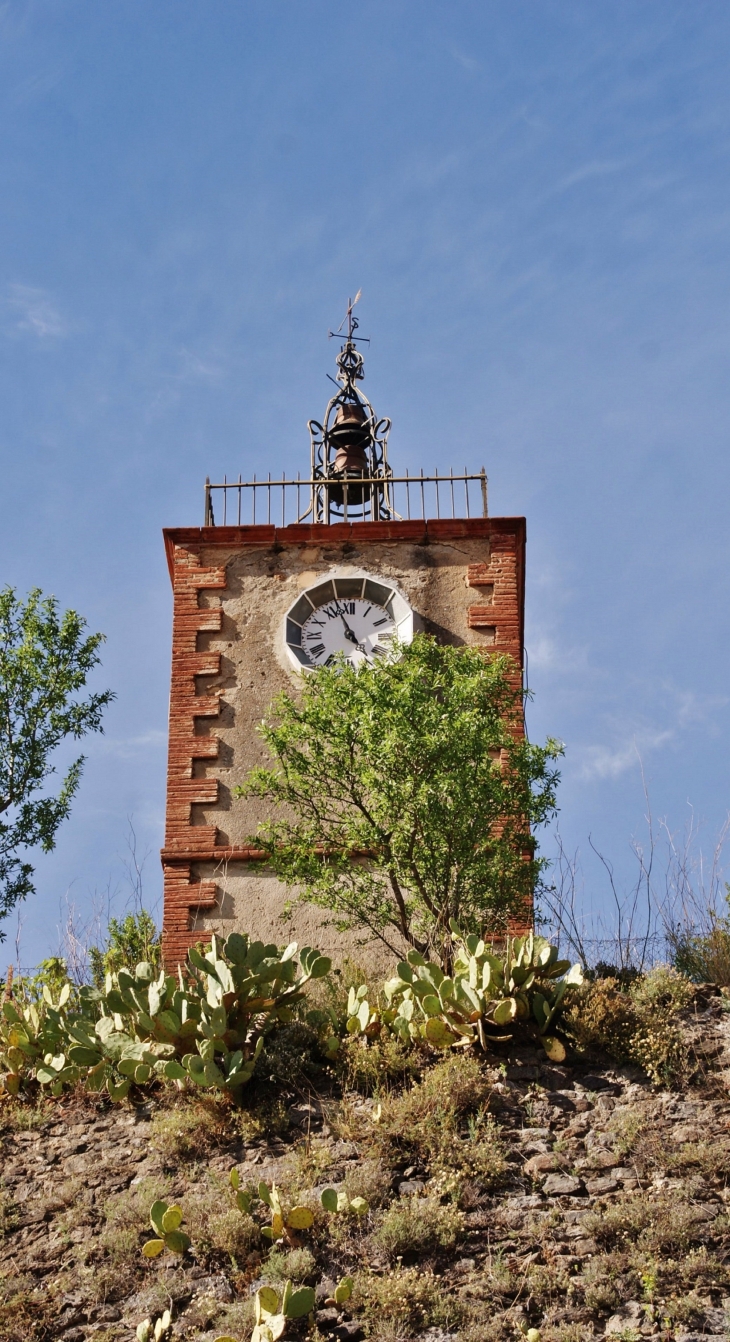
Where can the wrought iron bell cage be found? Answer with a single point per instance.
(350, 474)
(350, 479)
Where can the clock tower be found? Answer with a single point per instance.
(282, 575)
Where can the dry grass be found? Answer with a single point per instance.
(191, 1129)
(655, 1224)
(414, 1226)
(442, 1123)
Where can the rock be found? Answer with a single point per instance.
(525, 1201)
(302, 1115)
(603, 1160)
(716, 1320)
(561, 1185)
(629, 1316)
(351, 1331)
(594, 1082)
(553, 1077)
(218, 1287)
(597, 1187)
(563, 1101)
(685, 1132)
(326, 1318)
(410, 1187)
(535, 1148)
(700, 1337)
(583, 1248)
(525, 1073)
(542, 1164)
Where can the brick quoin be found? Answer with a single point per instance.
(500, 583)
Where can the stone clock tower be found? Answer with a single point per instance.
(282, 575)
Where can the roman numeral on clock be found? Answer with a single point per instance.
(318, 650)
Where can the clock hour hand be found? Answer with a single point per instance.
(351, 636)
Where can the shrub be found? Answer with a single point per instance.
(662, 988)
(128, 942)
(705, 957)
(608, 1279)
(371, 1066)
(216, 1225)
(408, 1298)
(127, 1219)
(371, 1180)
(635, 1025)
(418, 1225)
(654, 1224)
(297, 1265)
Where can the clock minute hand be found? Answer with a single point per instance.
(351, 636)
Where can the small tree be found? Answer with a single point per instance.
(410, 794)
(44, 663)
(128, 941)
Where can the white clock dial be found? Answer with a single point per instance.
(360, 629)
(356, 615)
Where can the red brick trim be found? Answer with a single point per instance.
(184, 790)
(481, 617)
(479, 575)
(183, 896)
(233, 854)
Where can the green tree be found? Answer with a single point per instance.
(408, 794)
(44, 664)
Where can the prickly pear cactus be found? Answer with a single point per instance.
(207, 1027)
(166, 1221)
(273, 1311)
(147, 1332)
(486, 995)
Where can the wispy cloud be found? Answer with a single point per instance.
(467, 62)
(595, 168)
(602, 761)
(34, 311)
(193, 367)
(132, 746)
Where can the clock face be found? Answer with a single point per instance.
(357, 617)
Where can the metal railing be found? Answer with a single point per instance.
(332, 499)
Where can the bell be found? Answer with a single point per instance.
(350, 435)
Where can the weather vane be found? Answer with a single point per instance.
(352, 323)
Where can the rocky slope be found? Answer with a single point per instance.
(580, 1200)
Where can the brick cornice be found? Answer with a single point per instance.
(419, 532)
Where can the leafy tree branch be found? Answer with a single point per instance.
(45, 661)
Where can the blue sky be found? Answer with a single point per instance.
(534, 199)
